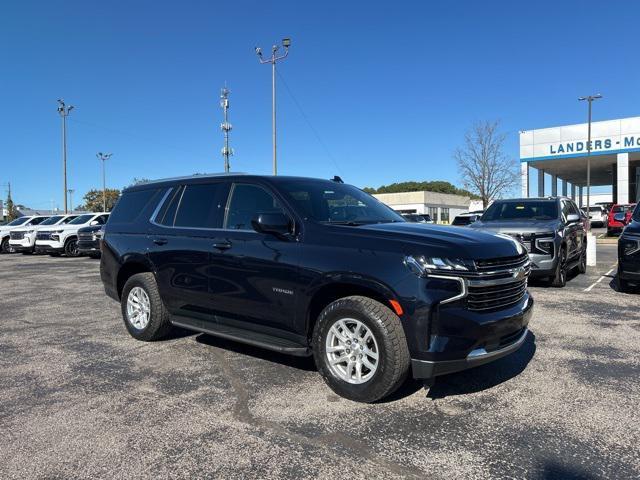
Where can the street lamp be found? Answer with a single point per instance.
(286, 43)
(589, 99)
(63, 111)
(104, 157)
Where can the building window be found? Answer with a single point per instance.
(433, 213)
(444, 215)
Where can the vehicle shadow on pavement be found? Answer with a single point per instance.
(485, 376)
(554, 471)
(300, 363)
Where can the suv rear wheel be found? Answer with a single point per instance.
(582, 264)
(360, 349)
(143, 311)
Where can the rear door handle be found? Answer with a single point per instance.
(160, 241)
(222, 245)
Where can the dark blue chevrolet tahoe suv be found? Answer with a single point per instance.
(315, 267)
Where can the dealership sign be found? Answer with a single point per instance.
(610, 137)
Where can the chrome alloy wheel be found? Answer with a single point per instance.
(138, 308)
(352, 351)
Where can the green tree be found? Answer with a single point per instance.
(438, 186)
(12, 211)
(93, 199)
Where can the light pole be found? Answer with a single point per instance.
(104, 157)
(71, 190)
(63, 111)
(286, 43)
(589, 100)
(226, 127)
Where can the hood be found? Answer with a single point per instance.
(515, 226)
(90, 229)
(633, 228)
(439, 240)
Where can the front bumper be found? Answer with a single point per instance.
(48, 248)
(89, 246)
(477, 357)
(24, 245)
(542, 265)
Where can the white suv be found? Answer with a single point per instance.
(23, 238)
(64, 238)
(5, 230)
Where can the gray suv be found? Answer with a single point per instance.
(550, 229)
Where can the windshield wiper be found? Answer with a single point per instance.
(350, 223)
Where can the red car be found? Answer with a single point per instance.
(616, 227)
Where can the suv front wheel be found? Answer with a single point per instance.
(143, 311)
(360, 349)
(559, 278)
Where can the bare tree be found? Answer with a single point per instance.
(482, 163)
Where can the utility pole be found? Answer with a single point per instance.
(226, 127)
(589, 100)
(104, 157)
(71, 190)
(286, 43)
(63, 111)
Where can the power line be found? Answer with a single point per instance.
(306, 119)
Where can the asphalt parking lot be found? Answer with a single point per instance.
(80, 398)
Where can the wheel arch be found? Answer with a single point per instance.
(132, 266)
(341, 287)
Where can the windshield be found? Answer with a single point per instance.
(527, 210)
(68, 219)
(621, 208)
(18, 221)
(52, 220)
(636, 213)
(333, 202)
(81, 219)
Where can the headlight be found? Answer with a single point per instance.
(630, 244)
(544, 242)
(58, 231)
(29, 232)
(423, 266)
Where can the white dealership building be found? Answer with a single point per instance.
(561, 153)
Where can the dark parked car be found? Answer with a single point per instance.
(466, 219)
(314, 267)
(551, 229)
(89, 240)
(629, 250)
(418, 217)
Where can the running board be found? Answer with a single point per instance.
(268, 342)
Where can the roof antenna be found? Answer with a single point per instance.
(337, 179)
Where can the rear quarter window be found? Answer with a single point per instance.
(132, 204)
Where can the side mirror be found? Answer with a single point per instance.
(273, 223)
(94, 222)
(572, 218)
(620, 217)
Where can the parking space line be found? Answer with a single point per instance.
(588, 289)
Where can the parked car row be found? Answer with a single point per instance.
(71, 235)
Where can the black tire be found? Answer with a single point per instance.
(623, 285)
(559, 279)
(393, 353)
(582, 264)
(4, 246)
(71, 248)
(159, 325)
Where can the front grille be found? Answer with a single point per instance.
(43, 236)
(16, 235)
(498, 283)
(85, 236)
(500, 264)
(496, 297)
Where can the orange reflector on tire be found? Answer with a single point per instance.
(396, 307)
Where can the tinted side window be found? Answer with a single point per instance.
(102, 219)
(247, 202)
(131, 204)
(202, 205)
(167, 213)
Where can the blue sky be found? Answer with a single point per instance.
(390, 87)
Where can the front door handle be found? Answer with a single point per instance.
(222, 245)
(160, 241)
